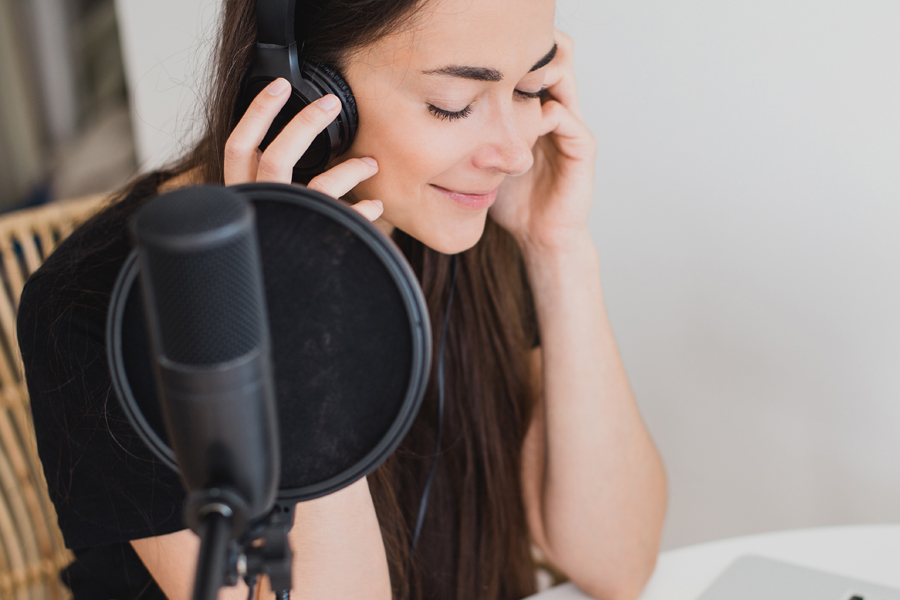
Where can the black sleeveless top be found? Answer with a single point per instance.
(107, 486)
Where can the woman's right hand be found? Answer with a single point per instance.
(244, 163)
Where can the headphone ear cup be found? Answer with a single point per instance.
(329, 81)
(319, 150)
(341, 89)
(315, 80)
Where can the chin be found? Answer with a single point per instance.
(451, 240)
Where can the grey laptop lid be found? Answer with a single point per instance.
(758, 578)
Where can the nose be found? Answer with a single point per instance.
(507, 148)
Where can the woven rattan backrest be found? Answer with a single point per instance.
(31, 546)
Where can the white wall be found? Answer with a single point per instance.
(747, 210)
(166, 46)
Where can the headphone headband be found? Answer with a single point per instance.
(275, 22)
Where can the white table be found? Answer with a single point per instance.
(869, 552)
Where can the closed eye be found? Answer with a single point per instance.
(541, 93)
(447, 115)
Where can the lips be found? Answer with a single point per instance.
(485, 193)
(474, 200)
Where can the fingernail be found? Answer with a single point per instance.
(378, 203)
(369, 161)
(278, 87)
(328, 102)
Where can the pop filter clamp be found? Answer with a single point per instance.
(231, 549)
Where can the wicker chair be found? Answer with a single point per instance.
(31, 546)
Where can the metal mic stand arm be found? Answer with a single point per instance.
(213, 560)
(218, 516)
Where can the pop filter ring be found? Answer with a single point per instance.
(407, 286)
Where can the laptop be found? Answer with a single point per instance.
(758, 578)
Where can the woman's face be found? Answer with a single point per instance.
(444, 109)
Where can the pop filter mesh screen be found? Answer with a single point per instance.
(342, 343)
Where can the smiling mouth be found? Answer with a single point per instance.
(476, 200)
(443, 189)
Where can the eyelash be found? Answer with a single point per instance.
(446, 115)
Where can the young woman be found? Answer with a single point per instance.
(471, 142)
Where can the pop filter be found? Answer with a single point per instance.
(350, 341)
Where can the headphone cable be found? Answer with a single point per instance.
(423, 503)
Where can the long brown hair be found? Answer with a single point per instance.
(475, 541)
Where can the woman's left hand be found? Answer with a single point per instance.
(548, 206)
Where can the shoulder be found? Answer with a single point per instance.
(106, 486)
(75, 281)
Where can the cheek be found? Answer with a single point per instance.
(411, 151)
(531, 122)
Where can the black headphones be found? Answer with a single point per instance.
(277, 56)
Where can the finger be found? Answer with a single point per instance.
(277, 161)
(370, 209)
(569, 134)
(342, 178)
(242, 146)
(562, 74)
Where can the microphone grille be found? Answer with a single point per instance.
(199, 249)
(192, 210)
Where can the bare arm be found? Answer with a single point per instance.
(595, 484)
(595, 489)
(337, 545)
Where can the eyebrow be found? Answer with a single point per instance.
(484, 73)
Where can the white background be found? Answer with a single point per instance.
(747, 214)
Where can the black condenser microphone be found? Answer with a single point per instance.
(205, 306)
